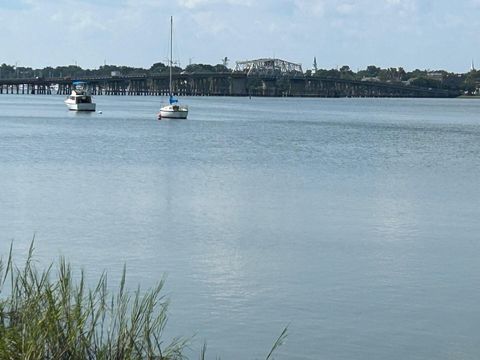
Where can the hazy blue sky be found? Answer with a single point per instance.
(427, 34)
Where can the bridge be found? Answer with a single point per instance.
(236, 83)
(268, 67)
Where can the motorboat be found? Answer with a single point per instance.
(173, 110)
(80, 99)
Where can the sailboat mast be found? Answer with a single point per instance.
(171, 54)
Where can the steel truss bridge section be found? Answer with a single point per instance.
(268, 66)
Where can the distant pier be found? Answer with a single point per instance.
(221, 84)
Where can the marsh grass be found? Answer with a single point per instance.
(50, 314)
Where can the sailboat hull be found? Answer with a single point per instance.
(173, 112)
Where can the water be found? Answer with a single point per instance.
(355, 221)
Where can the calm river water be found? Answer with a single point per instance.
(355, 221)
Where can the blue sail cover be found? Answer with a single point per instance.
(173, 100)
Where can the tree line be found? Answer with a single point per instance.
(439, 79)
(72, 71)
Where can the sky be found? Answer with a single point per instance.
(424, 34)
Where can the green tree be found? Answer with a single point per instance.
(346, 73)
(158, 68)
(332, 73)
(373, 71)
(426, 83)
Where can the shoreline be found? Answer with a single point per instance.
(476, 97)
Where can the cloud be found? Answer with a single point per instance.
(13, 5)
(346, 8)
(192, 4)
(210, 22)
(312, 7)
(135, 32)
(403, 7)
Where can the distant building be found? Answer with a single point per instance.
(435, 75)
(371, 78)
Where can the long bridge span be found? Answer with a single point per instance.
(221, 84)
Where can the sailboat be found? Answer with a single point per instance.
(173, 110)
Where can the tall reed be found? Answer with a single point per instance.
(50, 314)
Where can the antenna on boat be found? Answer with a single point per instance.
(171, 57)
